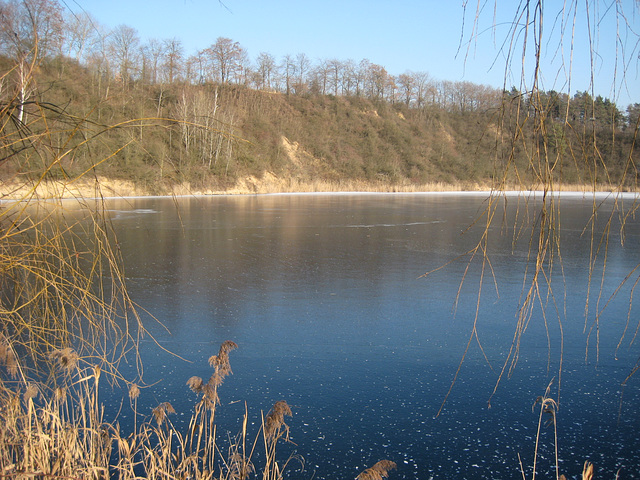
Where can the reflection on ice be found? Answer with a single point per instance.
(389, 224)
(127, 214)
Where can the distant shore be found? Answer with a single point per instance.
(102, 187)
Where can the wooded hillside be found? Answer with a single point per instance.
(100, 102)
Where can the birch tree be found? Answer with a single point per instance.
(30, 30)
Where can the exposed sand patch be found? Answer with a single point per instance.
(81, 188)
(292, 150)
(447, 136)
(301, 160)
(304, 167)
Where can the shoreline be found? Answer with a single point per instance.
(510, 193)
(107, 189)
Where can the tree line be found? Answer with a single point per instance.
(42, 29)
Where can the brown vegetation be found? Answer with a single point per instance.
(378, 472)
(62, 433)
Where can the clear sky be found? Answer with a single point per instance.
(400, 35)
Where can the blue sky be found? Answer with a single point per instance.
(400, 35)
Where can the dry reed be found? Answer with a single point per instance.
(379, 471)
(275, 425)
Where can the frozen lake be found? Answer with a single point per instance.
(324, 296)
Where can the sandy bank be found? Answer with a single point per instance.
(268, 183)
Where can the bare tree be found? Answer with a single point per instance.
(123, 43)
(408, 86)
(224, 59)
(81, 34)
(360, 76)
(265, 71)
(321, 73)
(422, 82)
(100, 62)
(349, 77)
(207, 131)
(288, 67)
(172, 59)
(378, 81)
(334, 68)
(151, 54)
(30, 30)
(243, 69)
(303, 64)
(197, 68)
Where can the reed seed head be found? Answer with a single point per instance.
(30, 392)
(275, 418)
(221, 361)
(134, 391)
(60, 394)
(216, 379)
(67, 358)
(161, 411)
(8, 357)
(378, 472)
(210, 395)
(227, 346)
(195, 384)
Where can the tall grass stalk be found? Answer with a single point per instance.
(548, 406)
(547, 415)
(56, 432)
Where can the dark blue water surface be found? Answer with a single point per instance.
(324, 296)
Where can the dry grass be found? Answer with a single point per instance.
(58, 432)
(267, 184)
(62, 433)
